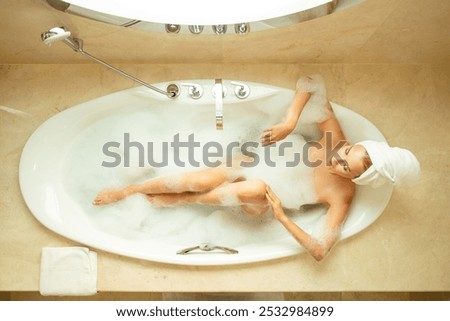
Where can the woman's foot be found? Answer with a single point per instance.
(109, 196)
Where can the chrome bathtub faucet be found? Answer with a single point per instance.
(219, 92)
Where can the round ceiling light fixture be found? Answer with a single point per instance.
(198, 12)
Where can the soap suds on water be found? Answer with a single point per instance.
(135, 217)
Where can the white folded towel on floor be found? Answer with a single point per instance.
(68, 271)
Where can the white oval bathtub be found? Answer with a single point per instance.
(65, 164)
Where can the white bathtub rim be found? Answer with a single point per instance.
(288, 246)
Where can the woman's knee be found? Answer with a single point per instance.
(259, 186)
(254, 191)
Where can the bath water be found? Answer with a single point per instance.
(136, 218)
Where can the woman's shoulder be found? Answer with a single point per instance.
(333, 189)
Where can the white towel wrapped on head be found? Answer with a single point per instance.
(68, 271)
(392, 165)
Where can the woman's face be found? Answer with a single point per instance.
(351, 163)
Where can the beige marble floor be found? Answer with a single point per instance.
(405, 250)
(242, 296)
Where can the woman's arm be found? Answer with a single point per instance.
(317, 248)
(331, 125)
(283, 129)
(296, 108)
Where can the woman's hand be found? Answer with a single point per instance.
(275, 203)
(275, 133)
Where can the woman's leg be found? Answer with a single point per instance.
(199, 182)
(250, 195)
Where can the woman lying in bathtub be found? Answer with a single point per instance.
(331, 181)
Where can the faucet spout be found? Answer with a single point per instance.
(218, 92)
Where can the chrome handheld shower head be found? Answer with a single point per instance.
(54, 35)
(61, 34)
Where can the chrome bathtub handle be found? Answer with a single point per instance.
(205, 247)
(187, 250)
(195, 90)
(241, 90)
(227, 250)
